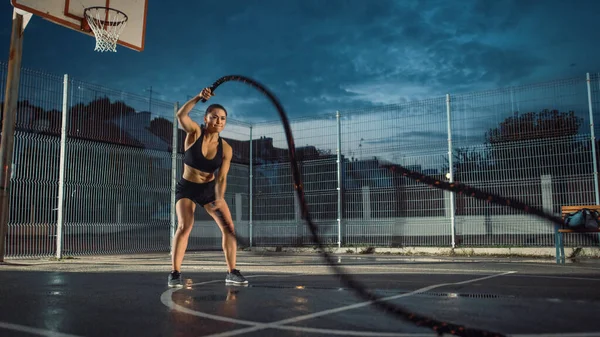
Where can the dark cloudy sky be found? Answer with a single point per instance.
(322, 56)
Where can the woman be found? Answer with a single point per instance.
(205, 153)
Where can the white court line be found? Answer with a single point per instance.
(550, 264)
(355, 333)
(33, 331)
(167, 300)
(408, 334)
(560, 334)
(559, 277)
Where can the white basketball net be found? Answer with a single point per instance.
(107, 24)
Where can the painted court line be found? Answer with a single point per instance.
(50, 333)
(355, 333)
(559, 277)
(565, 334)
(256, 326)
(167, 299)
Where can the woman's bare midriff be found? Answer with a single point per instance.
(192, 174)
(196, 176)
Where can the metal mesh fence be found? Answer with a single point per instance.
(32, 222)
(33, 217)
(383, 208)
(117, 172)
(277, 218)
(528, 143)
(535, 143)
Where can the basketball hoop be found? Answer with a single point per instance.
(107, 24)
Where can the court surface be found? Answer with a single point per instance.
(294, 294)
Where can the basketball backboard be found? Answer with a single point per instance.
(70, 13)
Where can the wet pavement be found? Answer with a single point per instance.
(294, 295)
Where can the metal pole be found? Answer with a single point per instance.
(60, 220)
(251, 161)
(174, 148)
(339, 178)
(512, 101)
(593, 139)
(8, 124)
(451, 171)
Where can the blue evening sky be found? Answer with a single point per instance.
(328, 55)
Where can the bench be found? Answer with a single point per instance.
(559, 231)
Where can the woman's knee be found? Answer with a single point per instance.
(185, 215)
(185, 227)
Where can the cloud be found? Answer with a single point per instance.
(377, 92)
(322, 56)
(340, 56)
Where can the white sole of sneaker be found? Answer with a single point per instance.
(175, 285)
(236, 283)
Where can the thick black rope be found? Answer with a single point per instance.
(472, 192)
(438, 326)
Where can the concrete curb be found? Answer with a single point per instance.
(540, 252)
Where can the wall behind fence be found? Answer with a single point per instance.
(533, 143)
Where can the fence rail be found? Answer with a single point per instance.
(122, 159)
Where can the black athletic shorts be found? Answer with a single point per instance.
(200, 193)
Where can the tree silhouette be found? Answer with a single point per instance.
(535, 125)
(163, 128)
(470, 162)
(102, 109)
(535, 143)
(96, 121)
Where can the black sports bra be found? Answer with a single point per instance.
(193, 156)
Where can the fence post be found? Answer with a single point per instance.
(593, 139)
(451, 171)
(366, 202)
(60, 219)
(238, 208)
(339, 178)
(251, 192)
(174, 148)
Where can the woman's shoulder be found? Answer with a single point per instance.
(226, 146)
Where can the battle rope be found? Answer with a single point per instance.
(438, 326)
